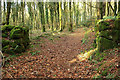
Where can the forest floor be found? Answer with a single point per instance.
(49, 56)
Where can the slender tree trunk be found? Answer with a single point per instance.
(91, 8)
(65, 14)
(115, 8)
(41, 9)
(51, 15)
(8, 12)
(4, 13)
(77, 14)
(0, 41)
(98, 10)
(119, 6)
(58, 11)
(35, 14)
(84, 13)
(56, 16)
(71, 25)
(60, 26)
(30, 13)
(13, 13)
(46, 9)
(101, 10)
(23, 4)
(107, 9)
(0, 21)
(17, 9)
(73, 13)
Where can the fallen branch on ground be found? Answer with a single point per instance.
(3, 63)
(83, 57)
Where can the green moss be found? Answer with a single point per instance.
(7, 28)
(118, 15)
(111, 34)
(19, 48)
(8, 49)
(103, 25)
(26, 42)
(18, 27)
(117, 24)
(5, 42)
(16, 34)
(13, 45)
(17, 39)
(4, 35)
(104, 44)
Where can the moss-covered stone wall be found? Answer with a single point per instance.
(15, 39)
(108, 34)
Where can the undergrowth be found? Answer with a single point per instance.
(104, 64)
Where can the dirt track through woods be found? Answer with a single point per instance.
(52, 60)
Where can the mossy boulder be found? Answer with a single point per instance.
(105, 25)
(117, 24)
(16, 34)
(15, 39)
(108, 34)
(8, 49)
(111, 34)
(4, 35)
(102, 25)
(104, 44)
(7, 28)
(5, 42)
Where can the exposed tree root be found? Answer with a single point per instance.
(3, 63)
(83, 57)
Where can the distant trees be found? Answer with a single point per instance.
(42, 13)
(60, 17)
(22, 7)
(56, 16)
(8, 12)
(0, 16)
(119, 6)
(71, 23)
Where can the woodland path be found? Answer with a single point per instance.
(51, 58)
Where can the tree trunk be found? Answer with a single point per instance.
(46, 9)
(0, 39)
(119, 6)
(22, 5)
(65, 14)
(108, 9)
(41, 9)
(30, 13)
(0, 20)
(4, 14)
(84, 13)
(60, 26)
(91, 9)
(8, 12)
(17, 9)
(101, 10)
(51, 15)
(115, 8)
(71, 25)
(13, 15)
(77, 14)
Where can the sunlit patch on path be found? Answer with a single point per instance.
(51, 57)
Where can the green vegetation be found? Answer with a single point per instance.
(14, 42)
(62, 39)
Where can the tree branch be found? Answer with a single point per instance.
(111, 6)
(90, 5)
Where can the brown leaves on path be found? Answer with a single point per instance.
(53, 59)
